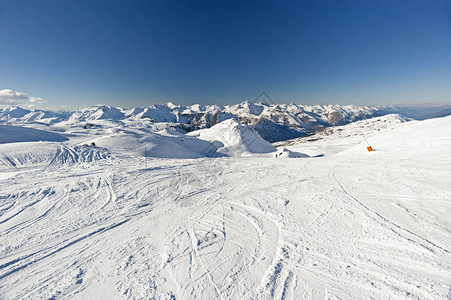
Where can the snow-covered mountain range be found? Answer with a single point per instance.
(274, 122)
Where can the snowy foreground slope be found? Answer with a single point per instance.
(89, 223)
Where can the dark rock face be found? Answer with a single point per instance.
(273, 132)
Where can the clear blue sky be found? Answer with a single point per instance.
(135, 53)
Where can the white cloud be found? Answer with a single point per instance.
(10, 97)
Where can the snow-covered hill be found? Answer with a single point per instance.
(338, 138)
(428, 136)
(233, 139)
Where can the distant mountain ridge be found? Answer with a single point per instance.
(274, 122)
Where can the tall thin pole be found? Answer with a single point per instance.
(365, 139)
(145, 154)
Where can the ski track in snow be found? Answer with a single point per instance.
(88, 225)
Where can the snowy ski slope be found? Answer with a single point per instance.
(80, 222)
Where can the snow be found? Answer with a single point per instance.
(48, 155)
(233, 139)
(14, 112)
(285, 153)
(100, 222)
(98, 112)
(273, 122)
(152, 145)
(340, 138)
(410, 136)
(15, 134)
(227, 138)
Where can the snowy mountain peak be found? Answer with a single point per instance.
(14, 112)
(230, 123)
(97, 112)
(171, 105)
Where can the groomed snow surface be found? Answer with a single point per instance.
(215, 215)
